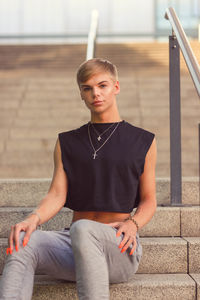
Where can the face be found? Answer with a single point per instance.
(99, 92)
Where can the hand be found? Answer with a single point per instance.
(28, 225)
(129, 229)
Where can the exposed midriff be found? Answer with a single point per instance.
(100, 216)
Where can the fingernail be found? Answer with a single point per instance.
(123, 250)
(25, 243)
(7, 251)
(120, 246)
(10, 251)
(16, 247)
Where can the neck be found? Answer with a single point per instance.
(105, 119)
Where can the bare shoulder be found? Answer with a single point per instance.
(59, 181)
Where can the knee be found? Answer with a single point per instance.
(80, 230)
(33, 243)
(80, 227)
(36, 239)
(25, 254)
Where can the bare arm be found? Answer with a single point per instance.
(55, 199)
(49, 206)
(147, 205)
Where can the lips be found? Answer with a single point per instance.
(97, 102)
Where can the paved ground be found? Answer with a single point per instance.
(39, 99)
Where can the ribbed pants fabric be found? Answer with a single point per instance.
(86, 253)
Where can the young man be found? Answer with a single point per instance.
(103, 170)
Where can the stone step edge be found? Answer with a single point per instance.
(175, 224)
(12, 190)
(40, 279)
(142, 286)
(159, 206)
(46, 179)
(184, 178)
(183, 252)
(153, 238)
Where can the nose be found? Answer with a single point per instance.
(95, 92)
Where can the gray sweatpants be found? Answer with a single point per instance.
(87, 253)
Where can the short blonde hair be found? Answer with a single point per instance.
(94, 66)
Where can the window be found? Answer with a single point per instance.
(188, 12)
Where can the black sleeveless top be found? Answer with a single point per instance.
(110, 182)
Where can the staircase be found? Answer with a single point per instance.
(170, 265)
(39, 98)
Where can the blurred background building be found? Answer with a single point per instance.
(69, 19)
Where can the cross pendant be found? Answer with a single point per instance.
(99, 138)
(94, 155)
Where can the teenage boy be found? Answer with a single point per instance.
(103, 170)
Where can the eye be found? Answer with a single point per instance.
(103, 85)
(85, 89)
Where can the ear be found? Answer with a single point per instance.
(117, 88)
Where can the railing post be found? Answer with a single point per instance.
(91, 45)
(175, 122)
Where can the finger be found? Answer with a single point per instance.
(134, 247)
(18, 228)
(10, 240)
(120, 230)
(114, 224)
(27, 237)
(126, 245)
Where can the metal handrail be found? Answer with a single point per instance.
(92, 35)
(185, 47)
(177, 41)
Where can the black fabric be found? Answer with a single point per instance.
(111, 181)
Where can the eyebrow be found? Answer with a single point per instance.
(86, 85)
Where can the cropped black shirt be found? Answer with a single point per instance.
(110, 182)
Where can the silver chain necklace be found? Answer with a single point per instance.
(99, 135)
(96, 150)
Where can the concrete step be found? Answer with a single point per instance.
(42, 56)
(140, 287)
(46, 57)
(163, 255)
(29, 192)
(193, 254)
(196, 278)
(40, 97)
(160, 255)
(167, 221)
